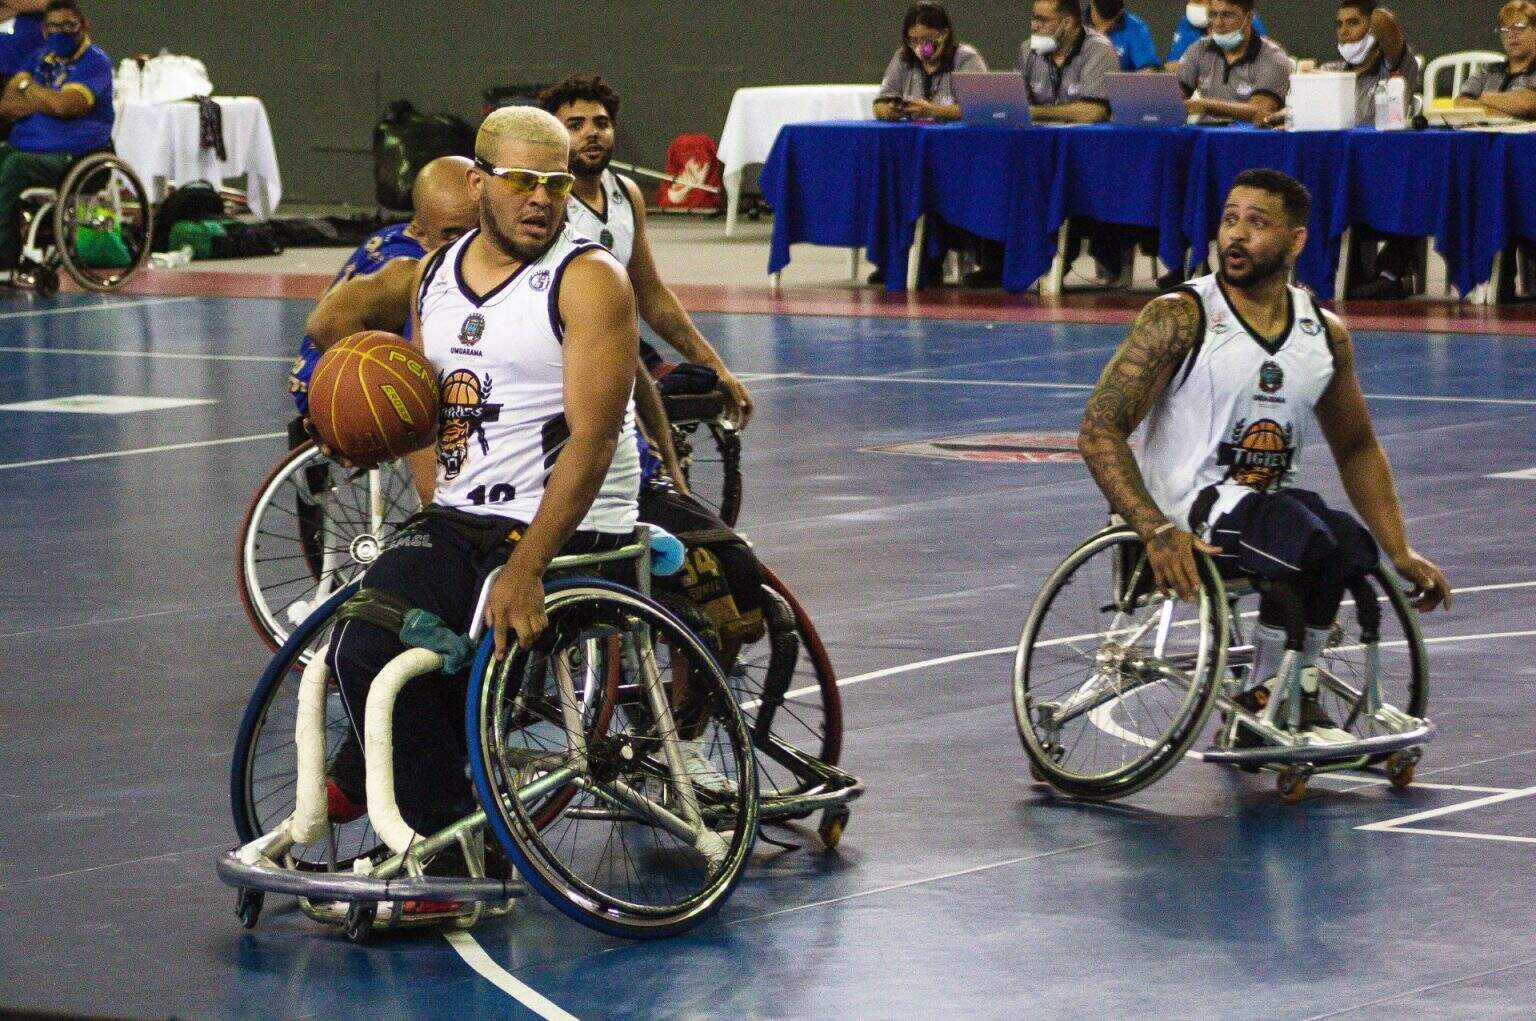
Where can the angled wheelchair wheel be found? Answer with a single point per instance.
(710, 453)
(312, 527)
(653, 836)
(1112, 682)
(264, 773)
(102, 222)
(1402, 662)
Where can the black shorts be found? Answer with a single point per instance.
(1288, 535)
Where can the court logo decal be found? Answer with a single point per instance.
(1258, 455)
(462, 413)
(1271, 377)
(992, 448)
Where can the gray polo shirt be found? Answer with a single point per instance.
(1080, 77)
(1263, 69)
(908, 80)
(1366, 81)
(1497, 78)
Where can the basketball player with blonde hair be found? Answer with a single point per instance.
(1224, 376)
(533, 335)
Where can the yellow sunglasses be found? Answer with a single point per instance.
(526, 182)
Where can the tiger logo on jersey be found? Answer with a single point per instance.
(1259, 455)
(462, 414)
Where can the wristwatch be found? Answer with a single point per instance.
(24, 85)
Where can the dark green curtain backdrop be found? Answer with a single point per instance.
(325, 70)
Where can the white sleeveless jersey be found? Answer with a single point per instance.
(1237, 412)
(614, 229)
(501, 391)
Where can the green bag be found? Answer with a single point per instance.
(102, 249)
(197, 235)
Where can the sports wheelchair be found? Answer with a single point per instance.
(97, 226)
(1113, 682)
(576, 754)
(313, 525)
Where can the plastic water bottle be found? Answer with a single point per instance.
(1391, 105)
(1383, 113)
(667, 552)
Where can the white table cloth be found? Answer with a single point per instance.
(757, 114)
(160, 142)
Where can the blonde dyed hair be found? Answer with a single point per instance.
(527, 124)
(1516, 9)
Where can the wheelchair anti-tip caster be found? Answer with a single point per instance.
(45, 281)
(1400, 767)
(248, 906)
(1292, 783)
(833, 822)
(359, 922)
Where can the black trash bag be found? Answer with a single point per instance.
(196, 200)
(246, 240)
(404, 141)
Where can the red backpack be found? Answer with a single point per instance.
(692, 159)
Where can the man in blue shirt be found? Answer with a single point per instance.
(61, 103)
(1193, 27)
(24, 35)
(1131, 36)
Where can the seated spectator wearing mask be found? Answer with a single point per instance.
(24, 34)
(1194, 26)
(1064, 65)
(61, 103)
(918, 83)
(1240, 75)
(1374, 49)
(1508, 88)
(1126, 32)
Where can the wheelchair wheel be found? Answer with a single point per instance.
(102, 223)
(650, 843)
(264, 772)
(785, 686)
(710, 453)
(1112, 682)
(312, 527)
(1403, 669)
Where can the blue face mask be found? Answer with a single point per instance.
(63, 44)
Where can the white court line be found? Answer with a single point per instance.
(100, 353)
(475, 956)
(1018, 384)
(140, 450)
(74, 309)
(1403, 824)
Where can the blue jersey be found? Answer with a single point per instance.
(1133, 43)
(381, 246)
(87, 71)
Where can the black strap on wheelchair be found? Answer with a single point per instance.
(706, 536)
(375, 606)
(1367, 609)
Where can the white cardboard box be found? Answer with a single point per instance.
(1322, 101)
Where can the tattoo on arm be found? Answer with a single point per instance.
(1135, 377)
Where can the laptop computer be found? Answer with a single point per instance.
(1145, 100)
(998, 99)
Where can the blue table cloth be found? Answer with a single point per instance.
(1506, 196)
(1422, 184)
(852, 184)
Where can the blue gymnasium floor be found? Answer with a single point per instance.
(961, 889)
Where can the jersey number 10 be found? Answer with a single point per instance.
(501, 492)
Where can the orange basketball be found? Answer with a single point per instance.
(373, 398)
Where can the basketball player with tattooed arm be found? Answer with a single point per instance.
(533, 335)
(1225, 374)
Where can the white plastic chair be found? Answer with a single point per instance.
(1460, 64)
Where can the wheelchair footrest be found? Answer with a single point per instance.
(345, 886)
(1315, 752)
(836, 789)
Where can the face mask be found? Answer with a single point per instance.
(1197, 14)
(928, 49)
(62, 44)
(1044, 45)
(1228, 41)
(1355, 53)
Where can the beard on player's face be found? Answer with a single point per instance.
(513, 226)
(1244, 264)
(589, 162)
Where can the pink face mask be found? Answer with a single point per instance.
(928, 49)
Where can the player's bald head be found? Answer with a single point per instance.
(519, 129)
(444, 206)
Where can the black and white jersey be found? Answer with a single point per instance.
(614, 228)
(501, 390)
(1237, 412)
